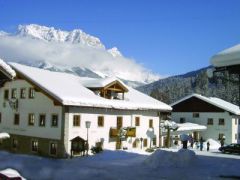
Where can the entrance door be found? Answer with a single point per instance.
(196, 135)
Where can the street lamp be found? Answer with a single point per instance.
(88, 124)
(141, 139)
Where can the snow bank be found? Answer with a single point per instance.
(7, 68)
(162, 158)
(4, 135)
(213, 144)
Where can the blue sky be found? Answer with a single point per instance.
(169, 37)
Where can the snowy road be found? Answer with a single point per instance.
(122, 165)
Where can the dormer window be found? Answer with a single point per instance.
(114, 90)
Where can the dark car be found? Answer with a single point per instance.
(231, 148)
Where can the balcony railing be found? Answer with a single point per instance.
(114, 132)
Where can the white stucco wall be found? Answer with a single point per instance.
(228, 129)
(110, 120)
(41, 104)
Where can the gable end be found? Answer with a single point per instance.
(194, 104)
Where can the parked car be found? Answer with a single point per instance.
(231, 148)
(10, 174)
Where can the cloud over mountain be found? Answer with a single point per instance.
(33, 43)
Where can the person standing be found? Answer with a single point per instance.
(222, 142)
(208, 146)
(191, 141)
(201, 144)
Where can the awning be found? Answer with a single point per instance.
(190, 127)
(187, 128)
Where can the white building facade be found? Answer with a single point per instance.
(45, 113)
(219, 116)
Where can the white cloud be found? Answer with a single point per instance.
(18, 48)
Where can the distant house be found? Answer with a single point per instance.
(220, 117)
(46, 112)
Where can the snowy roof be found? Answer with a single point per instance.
(227, 57)
(214, 101)
(190, 126)
(70, 90)
(7, 70)
(99, 83)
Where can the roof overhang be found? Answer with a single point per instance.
(228, 58)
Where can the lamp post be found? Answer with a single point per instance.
(141, 139)
(88, 124)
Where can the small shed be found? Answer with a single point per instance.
(78, 146)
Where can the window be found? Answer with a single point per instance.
(76, 120)
(100, 121)
(210, 121)
(42, 120)
(221, 121)
(53, 148)
(137, 121)
(31, 93)
(239, 136)
(54, 120)
(150, 123)
(14, 93)
(31, 119)
(0, 117)
(236, 121)
(119, 122)
(6, 94)
(145, 143)
(196, 115)
(34, 146)
(236, 136)
(16, 119)
(182, 120)
(23, 93)
(14, 143)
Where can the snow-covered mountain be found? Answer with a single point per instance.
(73, 51)
(77, 36)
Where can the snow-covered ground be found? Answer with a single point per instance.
(163, 164)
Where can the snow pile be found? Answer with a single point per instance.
(4, 135)
(213, 144)
(11, 173)
(7, 68)
(162, 158)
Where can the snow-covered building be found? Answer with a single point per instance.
(46, 112)
(220, 117)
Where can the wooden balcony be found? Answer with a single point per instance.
(114, 132)
(131, 132)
